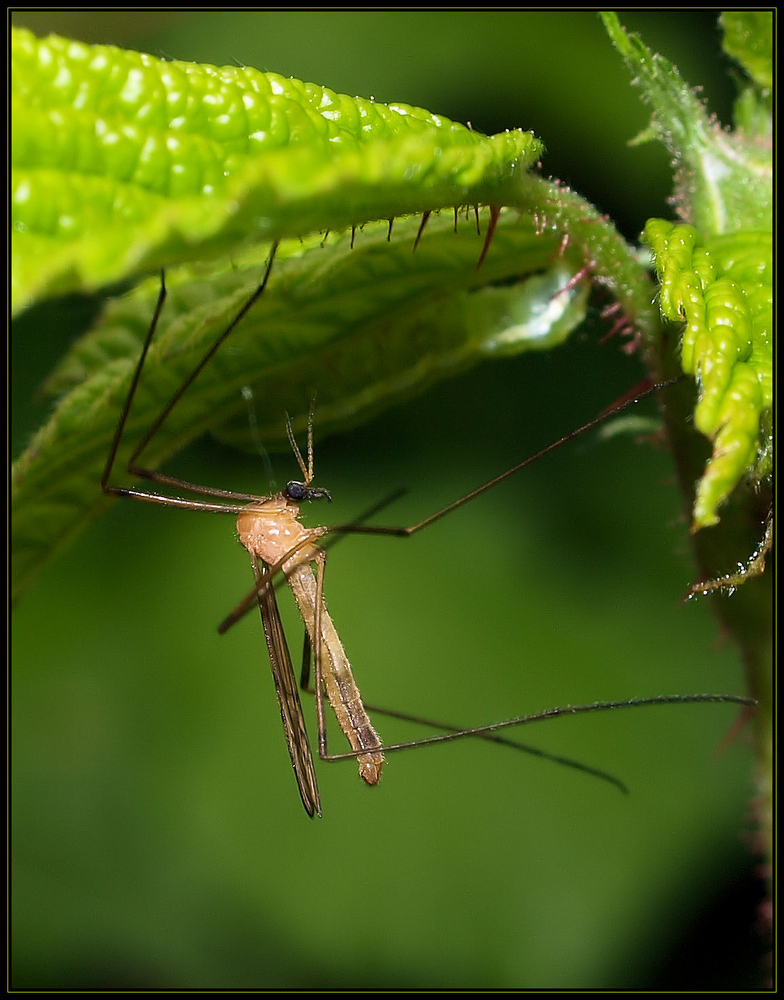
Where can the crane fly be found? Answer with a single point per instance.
(282, 548)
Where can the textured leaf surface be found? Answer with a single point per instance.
(723, 289)
(124, 163)
(717, 273)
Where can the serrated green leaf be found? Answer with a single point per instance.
(723, 180)
(717, 273)
(309, 161)
(123, 163)
(722, 288)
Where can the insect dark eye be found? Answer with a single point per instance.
(301, 491)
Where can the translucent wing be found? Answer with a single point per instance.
(288, 696)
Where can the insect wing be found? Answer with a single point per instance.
(288, 697)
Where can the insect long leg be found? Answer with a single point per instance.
(490, 732)
(359, 527)
(458, 731)
(333, 675)
(554, 713)
(405, 532)
(153, 429)
(280, 547)
(110, 459)
(152, 497)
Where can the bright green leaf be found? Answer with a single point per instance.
(723, 290)
(717, 273)
(123, 163)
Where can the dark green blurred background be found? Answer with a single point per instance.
(159, 841)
